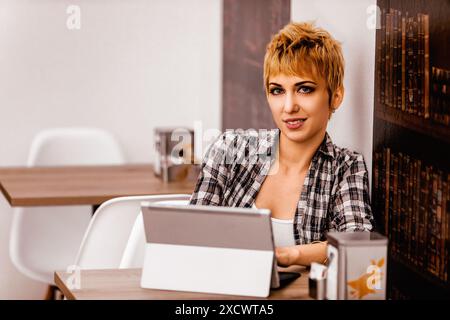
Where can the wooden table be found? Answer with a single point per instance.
(125, 284)
(82, 185)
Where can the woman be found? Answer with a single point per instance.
(310, 185)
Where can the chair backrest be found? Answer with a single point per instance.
(45, 239)
(134, 253)
(74, 146)
(108, 233)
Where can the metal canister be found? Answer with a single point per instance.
(357, 268)
(174, 150)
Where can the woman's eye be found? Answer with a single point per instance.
(305, 90)
(276, 91)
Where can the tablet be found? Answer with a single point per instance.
(241, 238)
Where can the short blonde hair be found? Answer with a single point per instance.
(302, 49)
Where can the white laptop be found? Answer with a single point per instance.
(210, 249)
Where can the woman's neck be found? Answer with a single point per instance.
(295, 157)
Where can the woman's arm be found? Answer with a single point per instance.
(302, 254)
(350, 212)
(350, 207)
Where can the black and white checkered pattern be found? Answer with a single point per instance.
(335, 194)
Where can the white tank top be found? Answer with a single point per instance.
(283, 231)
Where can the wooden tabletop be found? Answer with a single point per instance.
(125, 284)
(82, 185)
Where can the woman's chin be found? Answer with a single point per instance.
(297, 136)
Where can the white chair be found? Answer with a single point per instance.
(134, 253)
(45, 239)
(115, 237)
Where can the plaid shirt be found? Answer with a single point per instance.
(335, 194)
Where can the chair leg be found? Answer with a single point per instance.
(53, 293)
(50, 295)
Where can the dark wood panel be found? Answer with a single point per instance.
(247, 29)
(413, 122)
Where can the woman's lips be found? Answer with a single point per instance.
(294, 123)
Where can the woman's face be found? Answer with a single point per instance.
(300, 106)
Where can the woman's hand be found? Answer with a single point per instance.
(287, 256)
(302, 254)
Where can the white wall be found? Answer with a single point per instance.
(133, 65)
(351, 126)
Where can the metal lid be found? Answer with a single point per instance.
(356, 239)
(171, 129)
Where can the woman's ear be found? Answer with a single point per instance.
(338, 97)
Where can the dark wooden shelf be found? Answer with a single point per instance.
(414, 122)
(426, 276)
(422, 139)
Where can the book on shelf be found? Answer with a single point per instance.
(403, 67)
(387, 65)
(386, 192)
(423, 218)
(426, 68)
(401, 62)
(419, 92)
(382, 58)
(394, 57)
(399, 294)
(413, 203)
(411, 80)
(440, 82)
(415, 67)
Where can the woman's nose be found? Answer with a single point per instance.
(291, 104)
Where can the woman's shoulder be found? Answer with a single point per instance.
(347, 155)
(339, 155)
(346, 159)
